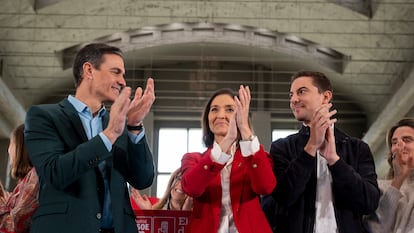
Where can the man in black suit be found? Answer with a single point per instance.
(326, 179)
(85, 156)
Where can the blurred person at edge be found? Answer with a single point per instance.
(227, 179)
(18, 206)
(85, 155)
(395, 213)
(174, 197)
(326, 179)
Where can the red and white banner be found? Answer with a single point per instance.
(161, 221)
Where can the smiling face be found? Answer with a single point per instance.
(305, 98)
(108, 79)
(402, 142)
(222, 109)
(177, 193)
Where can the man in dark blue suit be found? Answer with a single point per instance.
(85, 156)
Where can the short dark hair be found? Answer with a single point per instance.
(22, 164)
(318, 79)
(208, 136)
(92, 53)
(409, 122)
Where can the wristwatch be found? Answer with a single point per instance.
(136, 127)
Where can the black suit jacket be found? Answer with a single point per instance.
(71, 186)
(354, 184)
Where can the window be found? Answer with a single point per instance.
(281, 133)
(172, 145)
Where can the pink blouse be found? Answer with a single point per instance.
(17, 207)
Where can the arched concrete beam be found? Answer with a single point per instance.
(13, 112)
(399, 105)
(179, 33)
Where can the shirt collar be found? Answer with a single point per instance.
(82, 107)
(304, 129)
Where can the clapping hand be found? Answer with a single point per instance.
(136, 109)
(242, 112)
(117, 115)
(141, 104)
(141, 200)
(322, 136)
(403, 165)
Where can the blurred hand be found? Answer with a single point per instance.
(188, 203)
(328, 148)
(117, 115)
(141, 104)
(242, 112)
(141, 200)
(403, 165)
(320, 130)
(3, 195)
(231, 136)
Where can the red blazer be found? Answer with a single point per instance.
(250, 177)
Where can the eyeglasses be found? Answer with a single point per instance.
(176, 179)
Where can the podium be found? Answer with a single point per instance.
(161, 221)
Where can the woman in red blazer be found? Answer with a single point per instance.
(227, 179)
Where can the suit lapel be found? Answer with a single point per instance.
(105, 120)
(74, 119)
(109, 162)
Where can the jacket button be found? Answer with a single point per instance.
(98, 215)
(254, 165)
(205, 167)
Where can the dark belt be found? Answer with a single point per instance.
(106, 230)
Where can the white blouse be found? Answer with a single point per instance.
(247, 148)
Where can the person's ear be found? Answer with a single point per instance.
(327, 96)
(87, 70)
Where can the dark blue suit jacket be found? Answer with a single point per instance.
(71, 186)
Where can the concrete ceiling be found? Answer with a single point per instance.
(192, 48)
